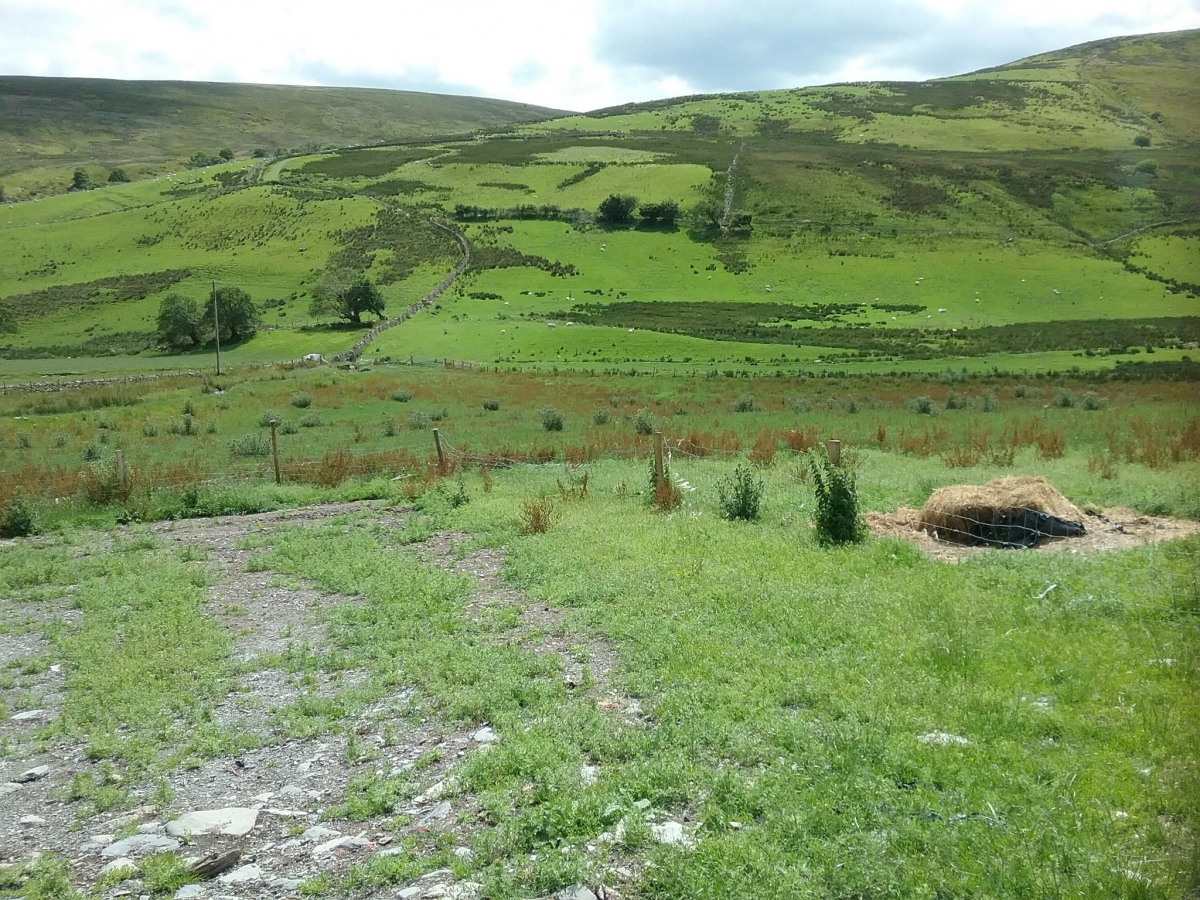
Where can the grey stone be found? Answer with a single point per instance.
(248, 874)
(9, 787)
(485, 735)
(234, 821)
(575, 892)
(318, 833)
(31, 820)
(463, 852)
(151, 828)
(340, 843)
(439, 812)
(573, 676)
(29, 715)
(35, 774)
(408, 893)
(285, 884)
(393, 851)
(136, 844)
(122, 864)
(465, 890)
(670, 833)
(588, 775)
(190, 892)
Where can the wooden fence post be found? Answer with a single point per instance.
(834, 449)
(437, 442)
(658, 460)
(275, 453)
(121, 469)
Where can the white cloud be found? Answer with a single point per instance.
(581, 54)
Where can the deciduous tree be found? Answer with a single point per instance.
(346, 295)
(181, 321)
(236, 312)
(617, 209)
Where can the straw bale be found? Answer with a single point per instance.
(963, 513)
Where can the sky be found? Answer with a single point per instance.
(564, 54)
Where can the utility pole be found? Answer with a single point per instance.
(216, 327)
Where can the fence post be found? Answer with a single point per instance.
(437, 442)
(121, 469)
(658, 460)
(834, 448)
(275, 453)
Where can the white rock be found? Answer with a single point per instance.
(242, 875)
(463, 890)
(285, 884)
(408, 893)
(439, 812)
(588, 775)
(463, 852)
(233, 820)
(123, 864)
(190, 892)
(318, 833)
(150, 828)
(284, 813)
(575, 892)
(348, 843)
(485, 735)
(137, 844)
(393, 851)
(670, 833)
(435, 792)
(31, 820)
(942, 738)
(37, 773)
(29, 715)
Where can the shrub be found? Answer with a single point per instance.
(601, 417)
(101, 484)
(189, 408)
(402, 395)
(311, 420)
(389, 427)
(800, 406)
(991, 403)
(90, 453)
(552, 419)
(643, 422)
(256, 444)
(149, 429)
(744, 404)
(955, 400)
(302, 399)
(185, 425)
(924, 406)
(18, 518)
(491, 405)
(211, 427)
(436, 415)
(287, 426)
(837, 517)
(1093, 401)
(739, 495)
(267, 417)
(1064, 399)
(418, 421)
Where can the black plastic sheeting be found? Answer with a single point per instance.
(1018, 529)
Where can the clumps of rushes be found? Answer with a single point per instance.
(491, 405)
(837, 518)
(256, 444)
(402, 395)
(302, 399)
(552, 419)
(739, 495)
(744, 404)
(601, 417)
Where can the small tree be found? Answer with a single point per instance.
(617, 209)
(1142, 140)
(80, 181)
(236, 313)
(117, 176)
(226, 154)
(663, 214)
(259, 153)
(348, 296)
(181, 321)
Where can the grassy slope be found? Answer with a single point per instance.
(51, 125)
(992, 187)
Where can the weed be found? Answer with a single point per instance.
(1051, 444)
(311, 420)
(101, 483)
(1064, 399)
(255, 444)
(643, 422)
(991, 403)
(601, 417)
(800, 405)
(389, 427)
(211, 427)
(955, 400)
(800, 440)
(1103, 465)
(744, 404)
(537, 515)
(924, 406)
(436, 415)
(184, 426)
(762, 453)
(302, 399)
(91, 452)
(485, 476)
(19, 518)
(491, 404)
(418, 421)
(837, 518)
(24, 442)
(189, 408)
(551, 418)
(402, 395)
(164, 872)
(1092, 401)
(881, 436)
(739, 494)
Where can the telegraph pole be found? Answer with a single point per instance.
(216, 327)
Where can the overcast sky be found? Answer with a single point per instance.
(568, 54)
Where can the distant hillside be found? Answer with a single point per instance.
(48, 125)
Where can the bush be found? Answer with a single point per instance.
(418, 421)
(643, 422)
(552, 419)
(18, 518)
(150, 429)
(491, 405)
(1064, 399)
(311, 420)
(1093, 401)
(185, 425)
(436, 415)
(189, 408)
(739, 495)
(268, 416)
(90, 453)
(302, 400)
(744, 404)
(837, 517)
(402, 395)
(389, 427)
(101, 484)
(924, 406)
(256, 444)
(601, 417)
(991, 403)
(955, 400)
(287, 426)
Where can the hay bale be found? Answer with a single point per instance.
(969, 514)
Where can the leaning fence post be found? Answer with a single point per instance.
(437, 442)
(121, 469)
(275, 453)
(834, 448)
(658, 460)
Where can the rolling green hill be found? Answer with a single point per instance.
(52, 125)
(1043, 214)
